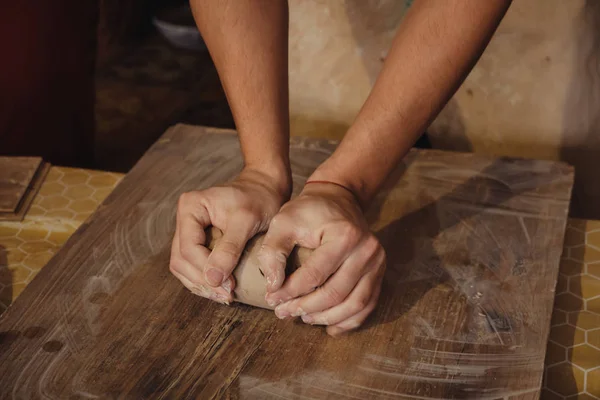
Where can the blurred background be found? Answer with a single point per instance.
(94, 83)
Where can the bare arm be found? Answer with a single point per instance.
(437, 44)
(248, 42)
(435, 47)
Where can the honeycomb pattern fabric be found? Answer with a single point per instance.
(573, 353)
(67, 197)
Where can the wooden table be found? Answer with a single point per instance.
(473, 255)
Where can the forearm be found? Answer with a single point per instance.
(435, 47)
(248, 42)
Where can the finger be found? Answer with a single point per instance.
(193, 279)
(216, 294)
(356, 320)
(359, 318)
(195, 273)
(276, 247)
(192, 238)
(359, 299)
(335, 290)
(191, 250)
(319, 266)
(227, 251)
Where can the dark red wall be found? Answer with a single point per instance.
(47, 56)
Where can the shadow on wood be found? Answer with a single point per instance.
(417, 232)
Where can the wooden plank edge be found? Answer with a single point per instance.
(32, 190)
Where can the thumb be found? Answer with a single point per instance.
(226, 253)
(276, 247)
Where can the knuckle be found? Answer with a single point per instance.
(376, 253)
(184, 199)
(313, 277)
(230, 248)
(359, 304)
(350, 232)
(372, 245)
(333, 296)
(276, 221)
(352, 324)
(187, 252)
(279, 220)
(174, 268)
(186, 202)
(289, 206)
(246, 215)
(227, 252)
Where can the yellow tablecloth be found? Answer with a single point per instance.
(68, 196)
(573, 354)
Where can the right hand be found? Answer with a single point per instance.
(240, 209)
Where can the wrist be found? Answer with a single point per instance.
(329, 173)
(277, 173)
(318, 183)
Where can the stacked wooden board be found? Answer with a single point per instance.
(20, 179)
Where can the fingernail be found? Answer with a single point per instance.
(273, 301)
(271, 280)
(307, 319)
(320, 321)
(227, 285)
(299, 312)
(214, 277)
(276, 261)
(222, 299)
(281, 313)
(270, 302)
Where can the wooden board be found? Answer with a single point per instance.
(16, 174)
(30, 192)
(473, 247)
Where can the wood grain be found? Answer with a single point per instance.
(473, 246)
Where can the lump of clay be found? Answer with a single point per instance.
(251, 285)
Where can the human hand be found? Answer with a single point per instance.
(339, 284)
(241, 209)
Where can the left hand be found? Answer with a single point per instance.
(339, 284)
(241, 209)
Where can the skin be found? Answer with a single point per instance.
(435, 47)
